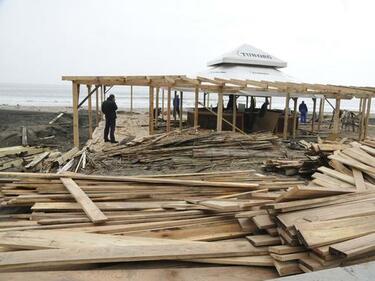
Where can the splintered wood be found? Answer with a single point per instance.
(217, 218)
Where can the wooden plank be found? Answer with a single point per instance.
(91, 210)
(336, 120)
(249, 261)
(358, 179)
(354, 247)
(263, 240)
(285, 249)
(37, 159)
(289, 257)
(49, 257)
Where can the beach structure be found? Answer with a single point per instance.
(246, 71)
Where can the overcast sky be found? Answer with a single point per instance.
(325, 41)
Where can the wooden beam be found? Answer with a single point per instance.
(169, 110)
(88, 95)
(89, 110)
(321, 113)
(131, 98)
(219, 123)
(313, 115)
(361, 111)
(286, 116)
(97, 107)
(367, 117)
(295, 117)
(234, 117)
(91, 210)
(75, 114)
(181, 108)
(101, 100)
(162, 104)
(196, 109)
(157, 107)
(151, 111)
(336, 119)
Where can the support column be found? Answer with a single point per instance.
(151, 111)
(89, 109)
(75, 91)
(196, 109)
(101, 99)
(313, 116)
(336, 119)
(208, 99)
(219, 123)
(247, 102)
(294, 117)
(169, 110)
(162, 104)
(131, 98)
(234, 117)
(181, 108)
(367, 117)
(286, 116)
(270, 104)
(204, 99)
(157, 107)
(97, 107)
(321, 113)
(361, 112)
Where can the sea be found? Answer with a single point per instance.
(43, 95)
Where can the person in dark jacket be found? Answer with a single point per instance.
(303, 110)
(109, 108)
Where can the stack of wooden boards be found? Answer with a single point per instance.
(192, 149)
(217, 218)
(41, 159)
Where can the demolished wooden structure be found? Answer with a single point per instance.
(288, 90)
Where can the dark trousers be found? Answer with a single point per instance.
(303, 117)
(110, 125)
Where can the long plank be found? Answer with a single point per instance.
(54, 257)
(91, 210)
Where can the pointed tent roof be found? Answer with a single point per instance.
(248, 55)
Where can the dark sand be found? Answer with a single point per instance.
(39, 131)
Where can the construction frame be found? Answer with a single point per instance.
(100, 85)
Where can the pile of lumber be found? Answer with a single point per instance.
(41, 159)
(216, 218)
(68, 218)
(189, 149)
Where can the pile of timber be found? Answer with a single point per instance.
(41, 159)
(217, 218)
(191, 148)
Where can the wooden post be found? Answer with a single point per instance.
(181, 108)
(89, 109)
(169, 110)
(151, 111)
(196, 109)
(105, 93)
(131, 98)
(101, 100)
(336, 119)
(234, 114)
(321, 113)
(219, 118)
(208, 99)
(75, 114)
(162, 104)
(204, 99)
(157, 107)
(367, 117)
(294, 117)
(361, 112)
(247, 102)
(286, 116)
(97, 107)
(313, 115)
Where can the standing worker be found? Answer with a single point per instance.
(109, 108)
(176, 106)
(303, 110)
